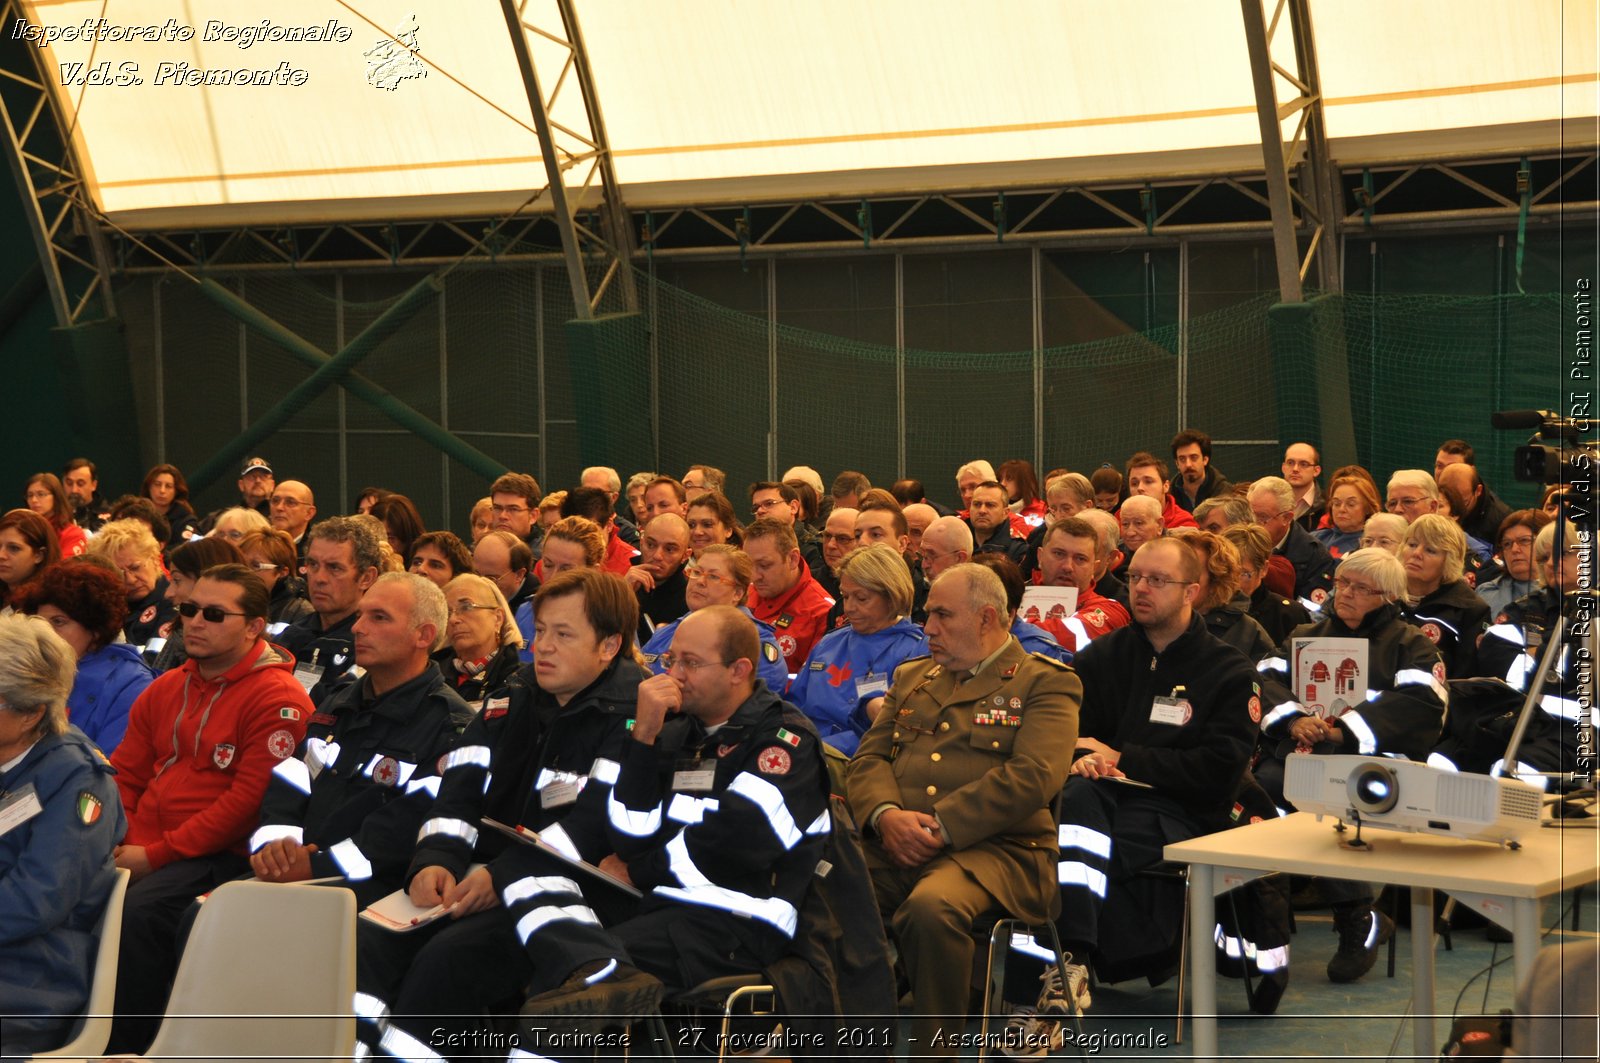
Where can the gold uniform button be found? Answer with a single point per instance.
(934, 758)
(932, 790)
(945, 726)
(897, 736)
(994, 745)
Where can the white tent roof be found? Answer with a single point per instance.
(751, 100)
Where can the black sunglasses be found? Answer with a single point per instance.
(214, 614)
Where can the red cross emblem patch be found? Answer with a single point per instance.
(386, 772)
(222, 755)
(1432, 631)
(774, 761)
(280, 744)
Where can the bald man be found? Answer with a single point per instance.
(292, 510)
(657, 576)
(838, 539)
(1460, 485)
(918, 516)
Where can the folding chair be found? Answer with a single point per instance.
(93, 1030)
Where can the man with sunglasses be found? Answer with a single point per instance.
(202, 742)
(1173, 709)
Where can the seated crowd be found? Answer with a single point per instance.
(671, 694)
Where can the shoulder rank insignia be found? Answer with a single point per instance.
(1052, 662)
(784, 620)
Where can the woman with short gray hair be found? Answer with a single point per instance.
(56, 868)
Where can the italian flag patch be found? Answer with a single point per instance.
(89, 808)
(788, 736)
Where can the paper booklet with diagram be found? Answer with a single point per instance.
(1330, 674)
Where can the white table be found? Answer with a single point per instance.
(1504, 885)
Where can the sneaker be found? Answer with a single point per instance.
(1074, 998)
(1030, 1035)
(1361, 930)
(594, 997)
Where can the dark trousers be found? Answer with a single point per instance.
(149, 946)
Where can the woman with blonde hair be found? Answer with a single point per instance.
(136, 556)
(482, 641)
(1446, 609)
(720, 576)
(234, 524)
(1225, 607)
(572, 542)
(851, 668)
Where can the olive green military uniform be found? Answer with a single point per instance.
(987, 756)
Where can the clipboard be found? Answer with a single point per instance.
(531, 837)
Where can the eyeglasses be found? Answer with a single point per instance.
(464, 608)
(1520, 543)
(842, 540)
(766, 504)
(214, 614)
(1298, 463)
(670, 660)
(1344, 586)
(1156, 582)
(495, 508)
(1380, 540)
(1402, 503)
(696, 573)
(287, 503)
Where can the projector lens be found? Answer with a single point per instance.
(1373, 788)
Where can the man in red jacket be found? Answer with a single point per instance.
(201, 744)
(1148, 475)
(783, 592)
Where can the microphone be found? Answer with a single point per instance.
(1522, 418)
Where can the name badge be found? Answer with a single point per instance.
(870, 686)
(308, 675)
(558, 795)
(19, 808)
(694, 780)
(1173, 711)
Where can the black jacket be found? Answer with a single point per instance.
(662, 605)
(1001, 541)
(1484, 520)
(362, 781)
(1278, 616)
(1232, 623)
(541, 762)
(1213, 485)
(1313, 565)
(1199, 761)
(333, 651)
(150, 618)
(1454, 618)
(1406, 696)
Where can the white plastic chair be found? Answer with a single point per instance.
(269, 973)
(90, 1033)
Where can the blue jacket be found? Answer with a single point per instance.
(845, 671)
(1036, 639)
(772, 669)
(56, 872)
(108, 681)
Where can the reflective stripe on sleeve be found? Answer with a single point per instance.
(559, 840)
(467, 756)
(348, 855)
(769, 799)
(534, 885)
(1074, 873)
(697, 889)
(429, 783)
(606, 771)
(450, 828)
(295, 773)
(625, 819)
(1281, 713)
(273, 831)
(1366, 741)
(1422, 678)
(529, 924)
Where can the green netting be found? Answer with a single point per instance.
(494, 360)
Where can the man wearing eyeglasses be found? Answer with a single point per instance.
(342, 561)
(778, 501)
(293, 508)
(719, 814)
(1168, 705)
(202, 742)
(1301, 467)
(514, 507)
(1272, 502)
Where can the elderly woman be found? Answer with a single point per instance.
(720, 576)
(1223, 604)
(440, 557)
(482, 639)
(56, 869)
(853, 665)
(185, 566)
(46, 497)
(1519, 577)
(1386, 531)
(1402, 713)
(128, 545)
(234, 524)
(28, 546)
(271, 555)
(712, 521)
(1446, 609)
(84, 604)
(1352, 501)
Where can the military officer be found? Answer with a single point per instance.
(955, 779)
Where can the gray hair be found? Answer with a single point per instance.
(1074, 483)
(37, 669)
(1544, 544)
(473, 585)
(1381, 567)
(359, 531)
(1105, 526)
(612, 480)
(980, 467)
(1235, 510)
(1415, 478)
(427, 602)
(983, 589)
(1278, 488)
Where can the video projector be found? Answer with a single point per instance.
(1404, 795)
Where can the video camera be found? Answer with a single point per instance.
(1572, 458)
